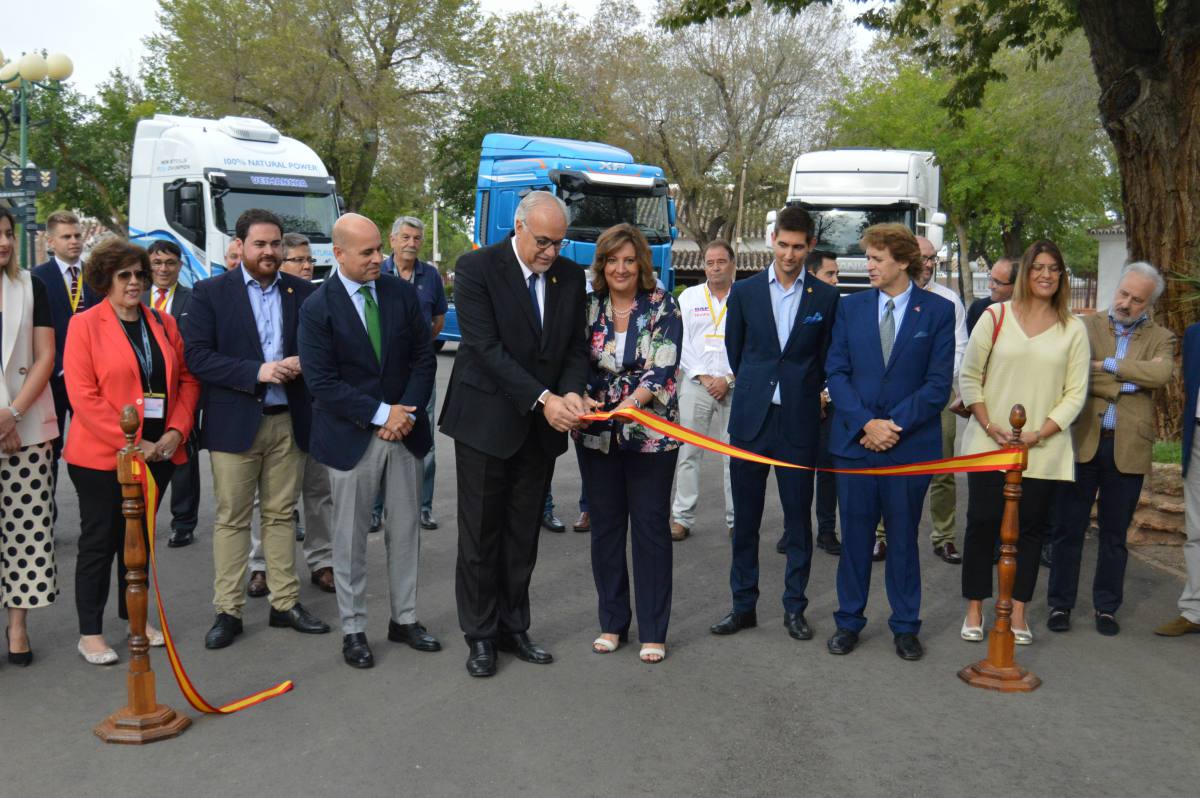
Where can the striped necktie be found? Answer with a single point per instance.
(160, 304)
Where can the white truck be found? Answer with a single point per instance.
(191, 179)
(848, 190)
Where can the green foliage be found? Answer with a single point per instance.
(1168, 452)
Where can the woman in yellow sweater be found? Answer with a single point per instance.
(1030, 351)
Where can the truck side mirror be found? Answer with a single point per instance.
(671, 213)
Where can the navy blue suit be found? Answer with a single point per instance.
(348, 382)
(911, 390)
(1191, 384)
(788, 431)
(223, 350)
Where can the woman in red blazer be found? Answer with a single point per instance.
(118, 353)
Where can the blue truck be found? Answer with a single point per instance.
(600, 184)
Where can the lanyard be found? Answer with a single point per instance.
(77, 294)
(717, 318)
(145, 354)
(164, 300)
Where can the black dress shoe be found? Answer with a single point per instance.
(735, 622)
(299, 619)
(552, 524)
(427, 520)
(180, 538)
(524, 648)
(879, 553)
(482, 659)
(1107, 625)
(908, 646)
(948, 553)
(796, 626)
(356, 651)
(414, 635)
(830, 544)
(781, 544)
(22, 658)
(1059, 620)
(842, 642)
(223, 631)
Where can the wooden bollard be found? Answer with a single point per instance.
(999, 670)
(143, 719)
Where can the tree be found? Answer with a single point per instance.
(1146, 56)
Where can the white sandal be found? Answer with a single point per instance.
(105, 657)
(650, 651)
(602, 645)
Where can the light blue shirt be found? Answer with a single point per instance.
(785, 303)
(900, 304)
(360, 304)
(267, 307)
(1123, 333)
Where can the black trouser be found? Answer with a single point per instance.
(102, 535)
(631, 491)
(499, 514)
(62, 406)
(826, 483)
(985, 510)
(185, 490)
(1118, 499)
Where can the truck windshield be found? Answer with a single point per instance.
(838, 230)
(312, 215)
(598, 211)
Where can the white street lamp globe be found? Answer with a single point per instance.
(32, 67)
(59, 66)
(9, 77)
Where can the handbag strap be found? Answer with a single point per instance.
(996, 325)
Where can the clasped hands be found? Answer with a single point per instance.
(400, 422)
(880, 434)
(564, 413)
(278, 372)
(717, 387)
(163, 449)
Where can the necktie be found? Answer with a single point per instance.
(537, 308)
(371, 312)
(160, 304)
(74, 272)
(887, 331)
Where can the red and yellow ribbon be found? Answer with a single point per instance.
(150, 491)
(1009, 459)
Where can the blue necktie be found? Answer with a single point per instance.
(537, 308)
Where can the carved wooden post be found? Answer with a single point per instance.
(143, 719)
(999, 671)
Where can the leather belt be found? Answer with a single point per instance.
(1108, 433)
(274, 410)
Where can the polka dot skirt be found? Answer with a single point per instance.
(28, 577)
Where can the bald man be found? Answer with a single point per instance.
(369, 364)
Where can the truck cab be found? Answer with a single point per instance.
(191, 178)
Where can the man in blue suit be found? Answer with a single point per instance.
(369, 363)
(69, 294)
(240, 336)
(889, 373)
(1188, 621)
(776, 336)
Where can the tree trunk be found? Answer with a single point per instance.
(1150, 108)
(1013, 236)
(966, 278)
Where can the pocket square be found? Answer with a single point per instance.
(921, 334)
(815, 318)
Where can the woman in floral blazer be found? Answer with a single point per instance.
(636, 332)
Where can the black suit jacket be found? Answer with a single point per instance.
(60, 305)
(179, 303)
(502, 364)
(348, 382)
(223, 350)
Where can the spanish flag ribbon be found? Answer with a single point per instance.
(150, 491)
(1008, 459)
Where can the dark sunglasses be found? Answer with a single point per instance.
(127, 275)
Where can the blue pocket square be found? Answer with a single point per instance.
(815, 318)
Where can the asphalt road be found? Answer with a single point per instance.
(754, 714)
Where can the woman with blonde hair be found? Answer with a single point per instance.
(1030, 351)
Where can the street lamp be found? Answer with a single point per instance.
(22, 75)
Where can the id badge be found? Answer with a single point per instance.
(599, 443)
(714, 343)
(153, 405)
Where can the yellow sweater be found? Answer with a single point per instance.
(1048, 374)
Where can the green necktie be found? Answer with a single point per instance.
(371, 312)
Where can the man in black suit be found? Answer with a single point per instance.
(240, 336)
(1000, 288)
(368, 360)
(516, 389)
(69, 294)
(166, 295)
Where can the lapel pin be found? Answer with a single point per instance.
(554, 279)
(916, 309)
(289, 289)
(810, 289)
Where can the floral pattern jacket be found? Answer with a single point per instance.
(650, 359)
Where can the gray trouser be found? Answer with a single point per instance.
(390, 470)
(698, 411)
(318, 519)
(1189, 601)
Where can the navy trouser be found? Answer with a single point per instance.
(749, 484)
(631, 491)
(826, 483)
(863, 500)
(1118, 499)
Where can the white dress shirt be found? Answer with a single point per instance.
(539, 286)
(360, 305)
(703, 351)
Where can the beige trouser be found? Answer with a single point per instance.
(943, 493)
(1189, 600)
(272, 466)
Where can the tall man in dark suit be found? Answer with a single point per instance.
(516, 389)
(166, 295)
(69, 294)
(240, 335)
(368, 360)
(889, 373)
(776, 337)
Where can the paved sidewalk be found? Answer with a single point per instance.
(755, 714)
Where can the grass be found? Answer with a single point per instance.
(1168, 452)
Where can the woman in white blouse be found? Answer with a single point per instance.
(1033, 352)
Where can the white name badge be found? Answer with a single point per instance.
(153, 406)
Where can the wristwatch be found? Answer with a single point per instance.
(729, 380)
(16, 414)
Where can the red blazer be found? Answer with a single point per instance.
(102, 376)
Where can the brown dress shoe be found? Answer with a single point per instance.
(679, 531)
(258, 584)
(948, 553)
(880, 552)
(323, 579)
(1178, 627)
(584, 524)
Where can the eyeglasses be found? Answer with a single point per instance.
(1040, 268)
(994, 281)
(128, 275)
(929, 258)
(300, 260)
(166, 264)
(542, 243)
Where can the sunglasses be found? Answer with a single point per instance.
(127, 275)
